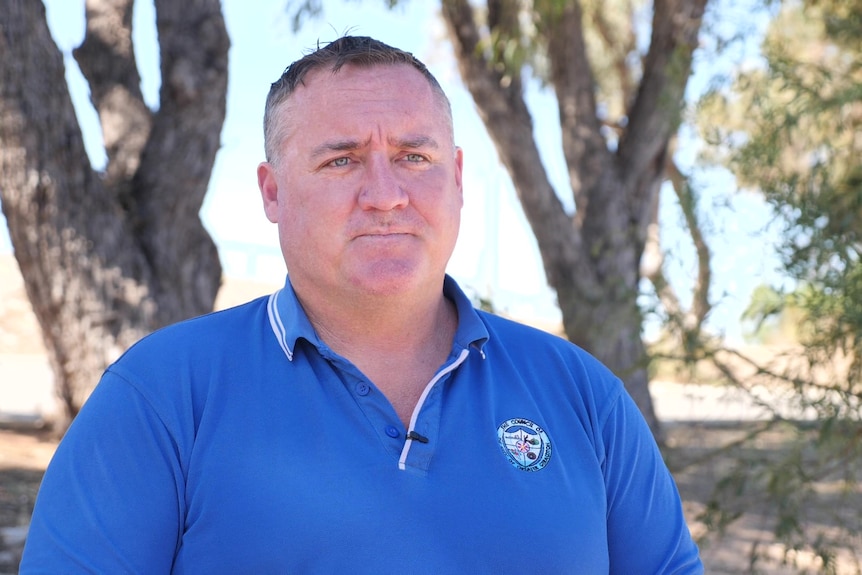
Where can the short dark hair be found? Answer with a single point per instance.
(359, 51)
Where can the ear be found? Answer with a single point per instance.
(268, 185)
(459, 171)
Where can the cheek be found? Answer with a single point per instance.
(448, 210)
(307, 226)
(290, 224)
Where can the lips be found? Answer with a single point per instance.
(385, 231)
(382, 227)
(384, 234)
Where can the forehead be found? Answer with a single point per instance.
(353, 94)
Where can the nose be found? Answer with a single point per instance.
(381, 188)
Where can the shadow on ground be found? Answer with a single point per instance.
(18, 488)
(731, 467)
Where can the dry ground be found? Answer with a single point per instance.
(23, 457)
(749, 544)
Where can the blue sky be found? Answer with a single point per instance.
(496, 255)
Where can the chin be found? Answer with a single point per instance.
(384, 286)
(387, 279)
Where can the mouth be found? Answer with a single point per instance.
(384, 238)
(383, 233)
(387, 241)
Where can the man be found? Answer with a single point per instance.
(365, 418)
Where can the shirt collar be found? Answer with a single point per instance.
(471, 329)
(290, 323)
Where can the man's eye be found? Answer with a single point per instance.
(414, 158)
(339, 162)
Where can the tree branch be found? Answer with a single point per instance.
(652, 264)
(584, 147)
(177, 161)
(655, 114)
(82, 268)
(652, 268)
(501, 105)
(700, 298)
(620, 45)
(107, 60)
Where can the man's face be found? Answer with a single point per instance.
(366, 186)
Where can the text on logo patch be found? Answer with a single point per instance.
(525, 444)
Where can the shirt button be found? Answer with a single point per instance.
(363, 388)
(392, 431)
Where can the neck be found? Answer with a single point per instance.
(359, 325)
(399, 345)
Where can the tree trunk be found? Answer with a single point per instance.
(592, 257)
(108, 257)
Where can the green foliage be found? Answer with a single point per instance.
(302, 10)
(791, 129)
(768, 313)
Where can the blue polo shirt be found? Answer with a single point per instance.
(238, 442)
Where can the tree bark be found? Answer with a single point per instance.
(591, 258)
(108, 257)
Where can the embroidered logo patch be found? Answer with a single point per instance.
(525, 444)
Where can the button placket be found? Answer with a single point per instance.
(363, 389)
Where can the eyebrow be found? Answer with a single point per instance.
(414, 142)
(337, 146)
(349, 145)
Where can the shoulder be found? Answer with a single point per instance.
(505, 327)
(193, 354)
(556, 364)
(526, 343)
(207, 334)
(177, 371)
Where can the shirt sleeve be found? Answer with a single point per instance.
(647, 532)
(111, 499)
